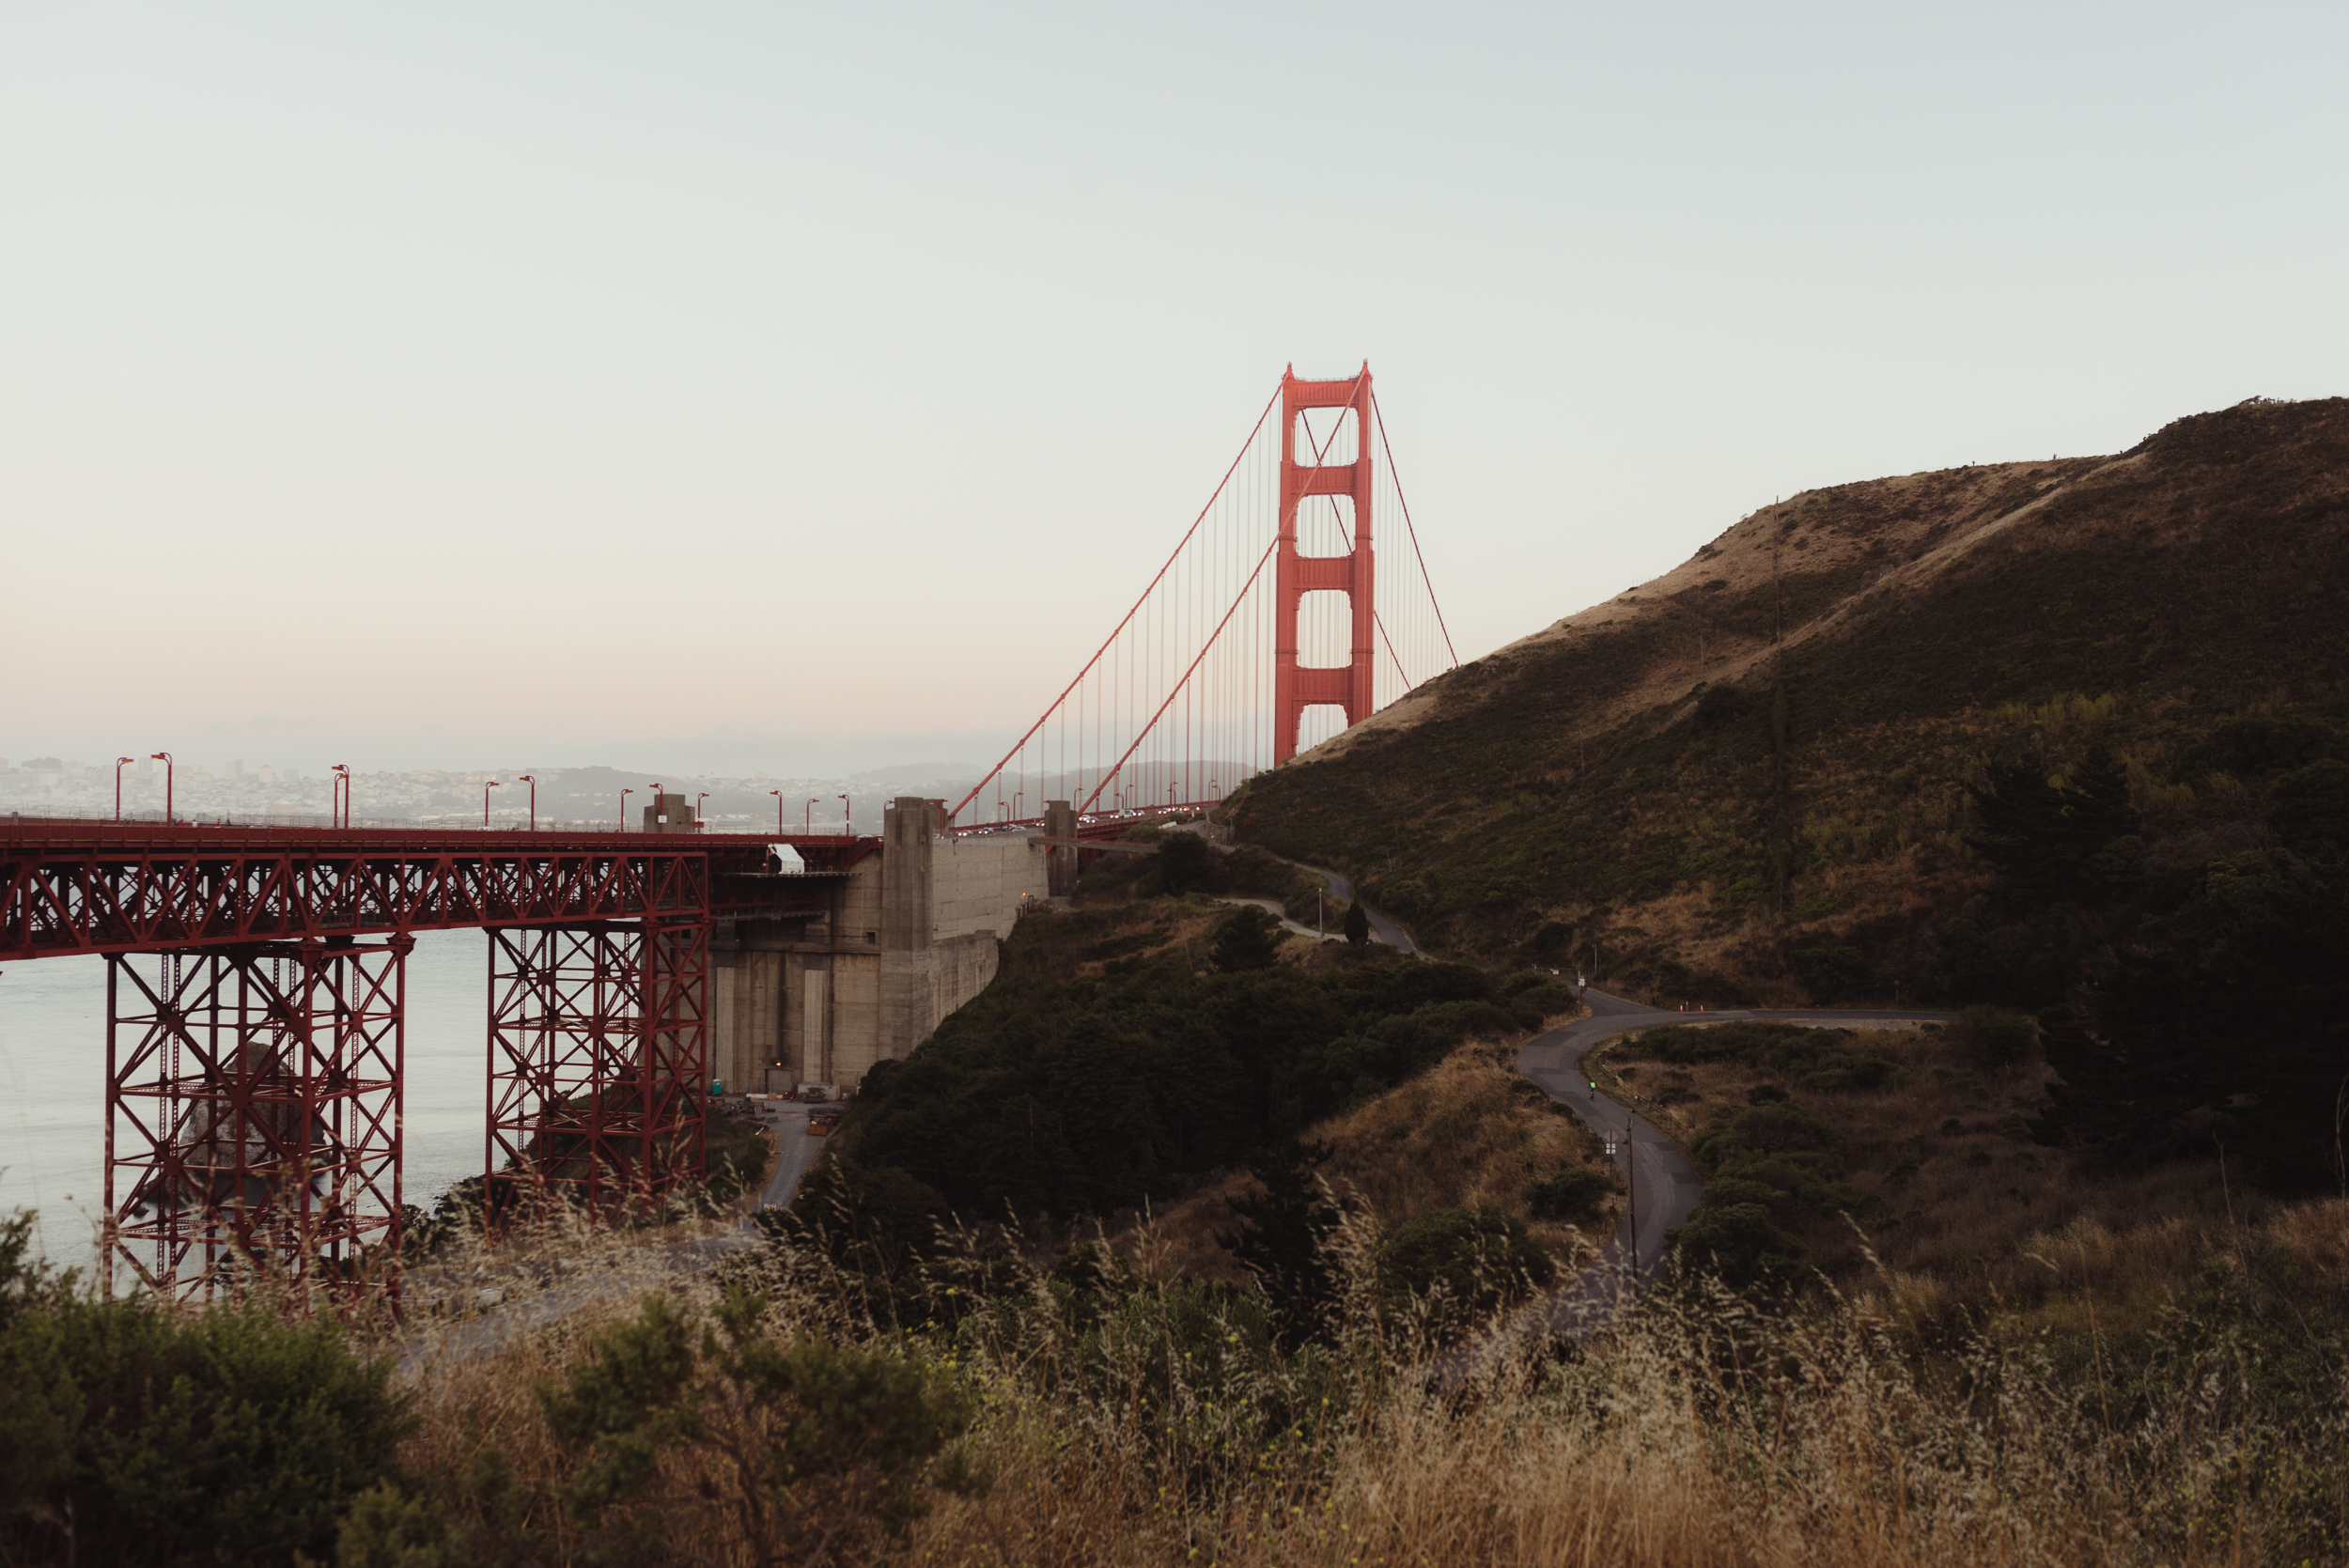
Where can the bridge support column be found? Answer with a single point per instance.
(1298, 686)
(1060, 860)
(252, 1117)
(599, 1065)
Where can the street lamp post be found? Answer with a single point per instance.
(485, 801)
(807, 817)
(530, 779)
(624, 795)
(164, 757)
(119, 762)
(1624, 1146)
(846, 830)
(338, 796)
(699, 820)
(778, 794)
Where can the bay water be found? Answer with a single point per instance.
(53, 1084)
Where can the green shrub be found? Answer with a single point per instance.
(130, 1434)
(1572, 1194)
(820, 1452)
(1993, 1038)
(1822, 1058)
(1738, 1241)
(1460, 1265)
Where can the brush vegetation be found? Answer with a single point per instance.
(2071, 738)
(1084, 1409)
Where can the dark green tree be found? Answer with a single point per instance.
(1282, 1239)
(2048, 842)
(1185, 863)
(1247, 938)
(1357, 925)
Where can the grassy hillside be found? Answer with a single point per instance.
(1749, 780)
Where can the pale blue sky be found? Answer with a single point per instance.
(736, 386)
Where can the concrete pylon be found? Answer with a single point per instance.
(1059, 821)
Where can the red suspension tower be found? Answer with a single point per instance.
(1298, 686)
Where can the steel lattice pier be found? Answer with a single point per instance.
(253, 1116)
(599, 1051)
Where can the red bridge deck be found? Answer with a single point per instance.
(69, 886)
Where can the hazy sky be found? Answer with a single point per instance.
(736, 386)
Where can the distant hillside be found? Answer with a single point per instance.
(1749, 780)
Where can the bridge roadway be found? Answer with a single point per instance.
(79, 887)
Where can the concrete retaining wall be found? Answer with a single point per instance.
(912, 936)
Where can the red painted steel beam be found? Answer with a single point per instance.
(67, 888)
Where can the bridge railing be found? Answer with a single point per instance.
(444, 822)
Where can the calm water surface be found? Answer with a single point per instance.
(53, 1083)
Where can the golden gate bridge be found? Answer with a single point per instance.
(1269, 628)
(256, 991)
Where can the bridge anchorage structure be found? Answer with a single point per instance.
(256, 1003)
(1268, 630)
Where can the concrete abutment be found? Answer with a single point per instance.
(908, 936)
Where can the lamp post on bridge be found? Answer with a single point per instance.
(807, 817)
(164, 757)
(485, 801)
(846, 830)
(699, 820)
(532, 780)
(339, 798)
(624, 795)
(119, 762)
(778, 794)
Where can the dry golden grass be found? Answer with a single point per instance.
(1700, 1430)
(1912, 1415)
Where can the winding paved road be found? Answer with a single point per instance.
(1382, 927)
(1665, 1187)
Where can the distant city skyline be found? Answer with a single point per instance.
(760, 386)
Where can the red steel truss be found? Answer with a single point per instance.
(78, 887)
(255, 1037)
(599, 1049)
(1298, 686)
(253, 1116)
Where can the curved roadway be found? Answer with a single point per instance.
(1664, 1185)
(1382, 927)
